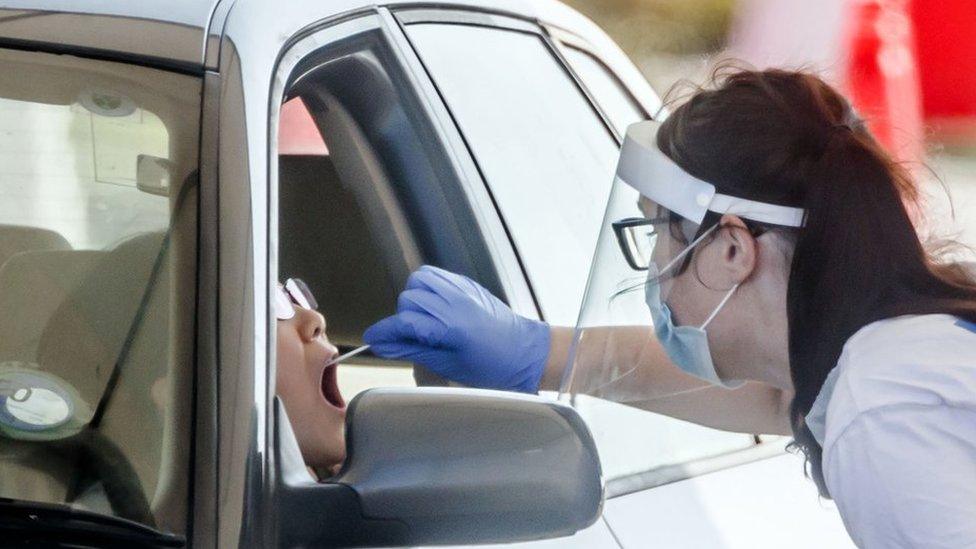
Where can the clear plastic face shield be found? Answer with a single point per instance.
(656, 218)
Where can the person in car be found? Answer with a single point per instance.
(309, 389)
(784, 253)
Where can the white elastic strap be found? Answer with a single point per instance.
(725, 300)
(757, 211)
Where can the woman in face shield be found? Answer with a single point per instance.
(777, 254)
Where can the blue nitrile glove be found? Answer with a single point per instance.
(455, 327)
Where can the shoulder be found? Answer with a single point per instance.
(879, 476)
(926, 360)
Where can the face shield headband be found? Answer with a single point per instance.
(645, 168)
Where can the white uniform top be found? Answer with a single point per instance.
(897, 422)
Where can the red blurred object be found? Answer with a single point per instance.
(945, 32)
(882, 77)
(297, 132)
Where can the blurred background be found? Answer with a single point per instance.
(909, 67)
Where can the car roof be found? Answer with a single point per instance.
(172, 33)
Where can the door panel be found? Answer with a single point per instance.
(597, 536)
(766, 503)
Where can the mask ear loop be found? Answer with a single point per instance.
(721, 304)
(698, 274)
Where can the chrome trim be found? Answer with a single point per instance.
(563, 40)
(476, 18)
(621, 486)
(607, 52)
(557, 51)
(215, 32)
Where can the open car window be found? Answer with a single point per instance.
(97, 293)
(366, 190)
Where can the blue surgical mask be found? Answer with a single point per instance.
(686, 346)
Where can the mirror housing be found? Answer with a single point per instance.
(443, 466)
(154, 175)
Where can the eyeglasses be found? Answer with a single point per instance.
(637, 236)
(293, 292)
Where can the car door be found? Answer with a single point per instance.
(542, 115)
(378, 194)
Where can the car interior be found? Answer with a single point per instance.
(376, 199)
(109, 321)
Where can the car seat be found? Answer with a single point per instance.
(16, 238)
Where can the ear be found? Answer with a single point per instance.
(732, 254)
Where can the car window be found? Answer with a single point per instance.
(549, 160)
(98, 168)
(539, 143)
(366, 193)
(605, 88)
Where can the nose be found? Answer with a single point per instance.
(311, 324)
(312, 329)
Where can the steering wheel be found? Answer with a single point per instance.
(95, 459)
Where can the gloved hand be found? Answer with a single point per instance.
(455, 327)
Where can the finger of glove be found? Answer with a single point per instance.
(404, 329)
(476, 292)
(424, 301)
(434, 359)
(459, 283)
(426, 278)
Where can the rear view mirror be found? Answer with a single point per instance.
(154, 175)
(443, 465)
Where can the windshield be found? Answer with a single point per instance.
(97, 269)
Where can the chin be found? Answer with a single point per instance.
(326, 452)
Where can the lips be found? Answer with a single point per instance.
(329, 386)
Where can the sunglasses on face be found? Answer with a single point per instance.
(293, 292)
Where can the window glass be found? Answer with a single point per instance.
(549, 161)
(605, 88)
(97, 269)
(545, 153)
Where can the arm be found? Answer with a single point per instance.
(455, 327)
(657, 385)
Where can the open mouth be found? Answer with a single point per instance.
(330, 387)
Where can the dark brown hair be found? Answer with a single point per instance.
(786, 137)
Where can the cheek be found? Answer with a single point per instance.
(288, 361)
(686, 299)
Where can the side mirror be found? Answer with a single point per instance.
(443, 466)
